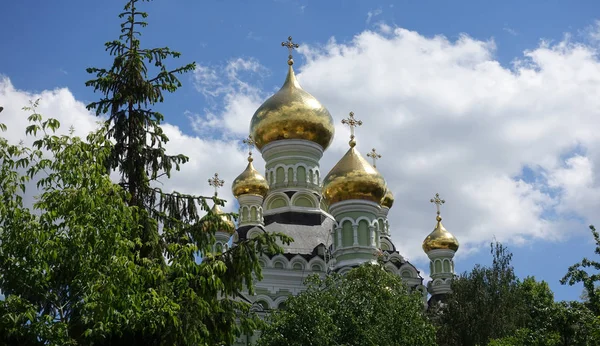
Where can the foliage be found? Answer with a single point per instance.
(55, 261)
(580, 272)
(367, 306)
(491, 306)
(87, 264)
(485, 303)
(69, 270)
(526, 337)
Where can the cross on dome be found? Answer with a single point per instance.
(216, 183)
(438, 202)
(251, 144)
(290, 46)
(352, 123)
(374, 156)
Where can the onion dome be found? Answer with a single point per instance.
(353, 178)
(225, 225)
(388, 199)
(440, 239)
(250, 182)
(292, 113)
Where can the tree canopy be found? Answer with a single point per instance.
(587, 272)
(93, 262)
(490, 305)
(366, 306)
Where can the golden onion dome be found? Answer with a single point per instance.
(225, 225)
(353, 178)
(440, 238)
(292, 113)
(250, 182)
(388, 199)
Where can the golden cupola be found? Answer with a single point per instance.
(440, 238)
(250, 182)
(388, 199)
(225, 224)
(292, 113)
(353, 177)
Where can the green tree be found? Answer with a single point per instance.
(70, 268)
(485, 303)
(63, 262)
(527, 337)
(81, 288)
(205, 294)
(587, 273)
(367, 306)
(137, 81)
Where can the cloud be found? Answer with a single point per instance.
(230, 96)
(513, 149)
(511, 31)
(372, 14)
(592, 32)
(192, 178)
(448, 118)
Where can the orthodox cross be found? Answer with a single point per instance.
(290, 46)
(438, 202)
(374, 156)
(250, 143)
(352, 123)
(216, 182)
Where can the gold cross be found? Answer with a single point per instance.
(352, 123)
(374, 156)
(250, 143)
(438, 202)
(216, 182)
(290, 46)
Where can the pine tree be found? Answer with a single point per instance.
(204, 295)
(128, 93)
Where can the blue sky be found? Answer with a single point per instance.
(47, 45)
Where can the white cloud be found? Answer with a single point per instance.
(446, 116)
(372, 14)
(449, 118)
(192, 178)
(231, 97)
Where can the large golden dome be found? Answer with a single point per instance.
(292, 113)
(440, 238)
(224, 225)
(353, 178)
(250, 182)
(388, 199)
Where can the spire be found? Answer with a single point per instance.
(290, 46)
(352, 123)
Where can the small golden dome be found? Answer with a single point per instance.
(440, 238)
(388, 199)
(353, 178)
(250, 182)
(226, 224)
(292, 113)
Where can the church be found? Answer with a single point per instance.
(337, 218)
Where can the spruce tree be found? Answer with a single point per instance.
(204, 296)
